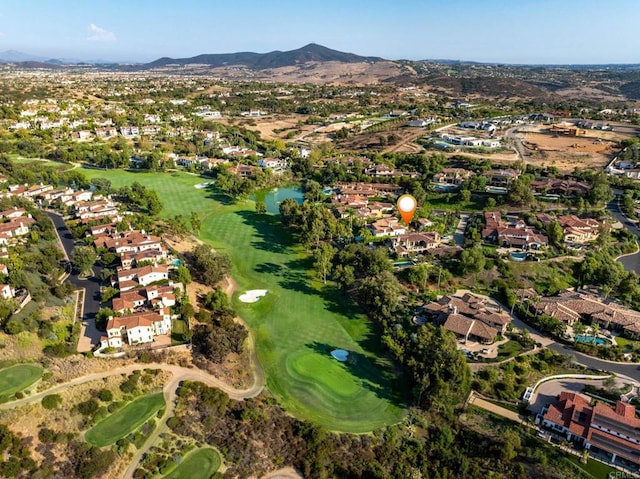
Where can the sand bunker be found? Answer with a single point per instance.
(202, 185)
(253, 295)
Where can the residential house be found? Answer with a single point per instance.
(277, 165)
(452, 176)
(609, 432)
(500, 178)
(132, 278)
(413, 243)
(106, 132)
(152, 297)
(579, 230)
(130, 131)
(512, 234)
(469, 317)
(389, 226)
(137, 328)
(7, 291)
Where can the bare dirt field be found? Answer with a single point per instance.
(285, 473)
(591, 150)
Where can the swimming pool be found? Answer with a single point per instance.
(583, 338)
(402, 264)
(177, 262)
(518, 256)
(439, 187)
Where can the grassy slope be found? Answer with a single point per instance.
(199, 464)
(125, 420)
(18, 377)
(297, 321)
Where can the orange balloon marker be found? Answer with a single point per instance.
(407, 205)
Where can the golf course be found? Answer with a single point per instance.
(16, 378)
(125, 420)
(299, 322)
(199, 464)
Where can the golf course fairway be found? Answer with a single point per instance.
(299, 322)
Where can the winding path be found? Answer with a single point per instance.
(179, 374)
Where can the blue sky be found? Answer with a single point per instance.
(509, 31)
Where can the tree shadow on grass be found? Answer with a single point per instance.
(269, 268)
(271, 236)
(215, 194)
(373, 375)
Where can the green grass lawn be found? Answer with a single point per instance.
(595, 469)
(299, 322)
(125, 420)
(509, 349)
(199, 464)
(18, 377)
(178, 330)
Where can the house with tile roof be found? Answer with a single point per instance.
(470, 317)
(610, 432)
(512, 233)
(137, 328)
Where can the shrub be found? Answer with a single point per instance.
(105, 395)
(51, 401)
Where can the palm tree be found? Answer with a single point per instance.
(595, 329)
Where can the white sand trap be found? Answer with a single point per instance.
(202, 185)
(253, 295)
(340, 354)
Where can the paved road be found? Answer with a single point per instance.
(631, 262)
(90, 335)
(458, 236)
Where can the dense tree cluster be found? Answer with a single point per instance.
(208, 266)
(217, 340)
(138, 198)
(257, 436)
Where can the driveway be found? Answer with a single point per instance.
(90, 335)
(547, 391)
(631, 262)
(458, 236)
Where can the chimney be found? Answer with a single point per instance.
(625, 410)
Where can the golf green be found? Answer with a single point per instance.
(324, 373)
(199, 464)
(125, 420)
(299, 322)
(18, 377)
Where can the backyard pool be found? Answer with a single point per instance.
(177, 262)
(583, 338)
(439, 187)
(402, 264)
(518, 256)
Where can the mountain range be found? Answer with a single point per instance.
(275, 59)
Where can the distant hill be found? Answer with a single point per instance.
(275, 59)
(13, 56)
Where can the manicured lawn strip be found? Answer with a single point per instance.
(125, 420)
(18, 377)
(199, 464)
(594, 468)
(297, 317)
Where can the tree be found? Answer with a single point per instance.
(194, 219)
(519, 193)
(555, 233)
(261, 207)
(182, 275)
(324, 256)
(209, 266)
(83, 258)
(472, 260)
(465, 196)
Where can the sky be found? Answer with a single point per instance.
(504, 31)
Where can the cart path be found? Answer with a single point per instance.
(178, 375)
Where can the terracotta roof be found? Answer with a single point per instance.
(458, 324)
